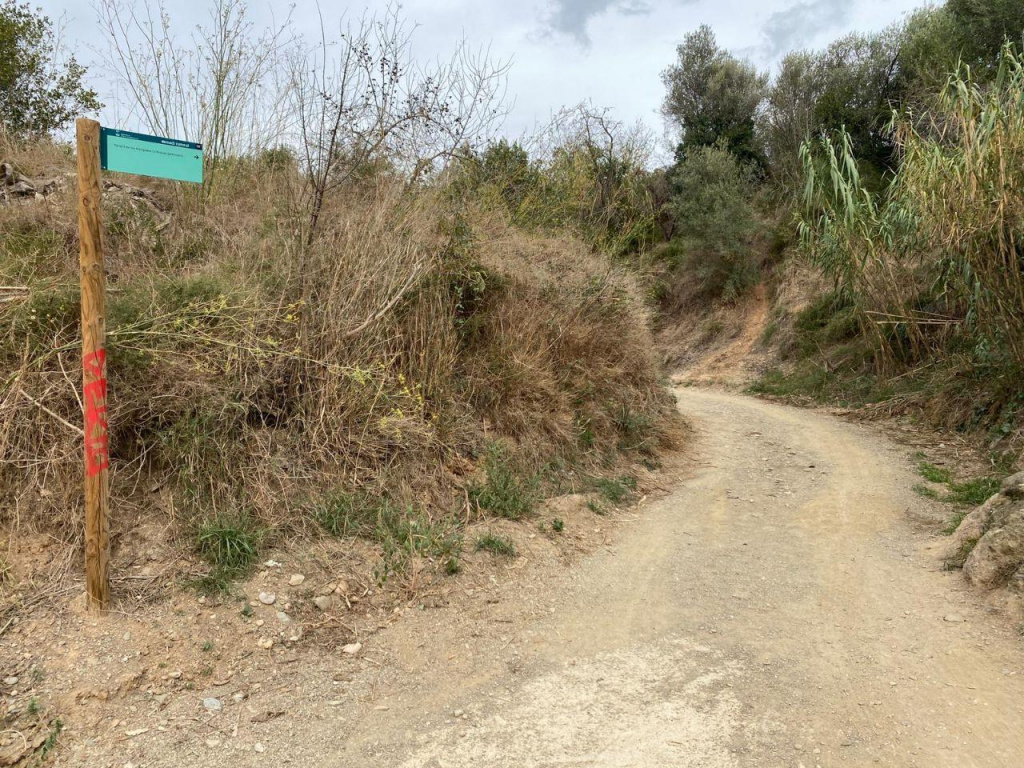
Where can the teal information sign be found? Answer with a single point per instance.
(144, 155)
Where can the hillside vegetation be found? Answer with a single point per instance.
(375, 303)
(875, 186)
(380, 322)
(259, 377)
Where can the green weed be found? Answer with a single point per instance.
(954, 521)
(401, 532)
(230, 544)
(970, 493)
(346, 514)
(934, 474)
(632, 427)
(496, 545)
(51, 740)
(504, 493)
(558, 525)
(973, 492)
(615, 490)
(926, 491)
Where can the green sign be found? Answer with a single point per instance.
(144, 155)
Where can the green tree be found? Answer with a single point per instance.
(507, 165)
(929, 52)
(789, 116)
(984, 25)
(937, 40)
(713, 97)
(858, 93)
(39, 92)
(716, 220)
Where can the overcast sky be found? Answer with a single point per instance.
(566, 51)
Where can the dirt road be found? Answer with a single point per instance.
(777, 608)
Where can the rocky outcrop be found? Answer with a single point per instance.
(14, 186)
(989, 543)
(17, 188)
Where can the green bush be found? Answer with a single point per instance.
(716, 221)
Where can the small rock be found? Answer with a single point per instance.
(259, 748)
(323, 602)
(296, 579)
(213, 743)
(10, 681)
(352, 648)
(265, 642)
(953, 618)
(268, 598)
(284, 617)
(1013, 486)
(213, 705)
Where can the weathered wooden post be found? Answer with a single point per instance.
(94, 366)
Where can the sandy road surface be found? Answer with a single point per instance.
(777, 608)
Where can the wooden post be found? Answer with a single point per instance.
(94, 365)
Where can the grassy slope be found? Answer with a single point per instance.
(262, 381)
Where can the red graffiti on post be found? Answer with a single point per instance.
(94, 395)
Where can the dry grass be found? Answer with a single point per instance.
(250, 375)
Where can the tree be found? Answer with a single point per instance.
(219, 86)
(507, 167)
(929, 52)
(361, 101)
(714, 216)
(713, 97)
(594, 177)
(859, 90)
(937, 40)
(789, 115)
(40, 92)
(983, 27)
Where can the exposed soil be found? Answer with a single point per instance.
(734, 359)
(779, 607)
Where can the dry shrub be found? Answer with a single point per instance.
(562, 358)
(250, 374)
